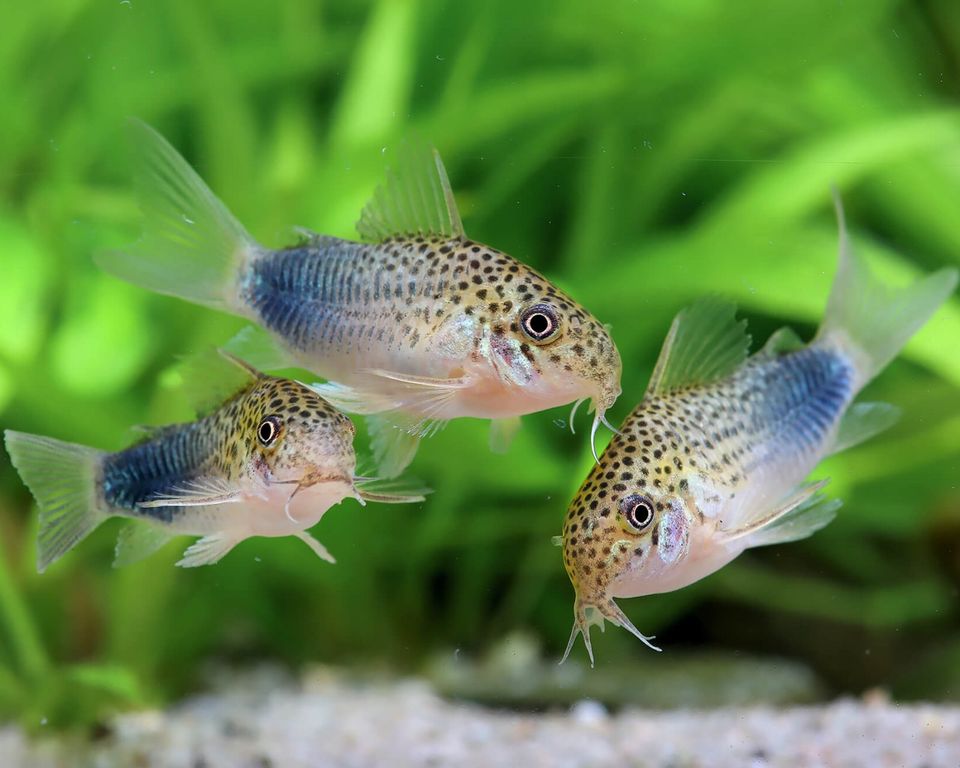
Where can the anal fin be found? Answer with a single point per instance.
(137, 541)
(259, 349)
(861, 422)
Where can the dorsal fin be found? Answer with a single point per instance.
(414, 199)
(211, 377)
(705, 342)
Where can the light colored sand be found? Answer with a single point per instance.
(327, 721)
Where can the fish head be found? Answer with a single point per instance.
(547, 343)
(297, 436)
(621, 537)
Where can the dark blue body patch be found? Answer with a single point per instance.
(805, 394)
(152, 468)
(298, 293)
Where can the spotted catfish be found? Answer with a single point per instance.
(714, 460)
(269, 461)
(415, 326)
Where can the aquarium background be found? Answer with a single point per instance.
(640, 154)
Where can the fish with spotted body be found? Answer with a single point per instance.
(269, 461)
(414, 326)
(715, 458)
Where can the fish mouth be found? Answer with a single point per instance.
(588, 613)
(312, 478)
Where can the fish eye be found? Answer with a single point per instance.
(540, 322)
(268, 430)
(637, 510)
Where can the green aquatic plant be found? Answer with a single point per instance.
(639, 157)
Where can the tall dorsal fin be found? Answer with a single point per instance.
(705, 342)
(414, 199)
(212, 376)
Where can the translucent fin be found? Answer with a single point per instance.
(861, 422)
(393, 448)
(191, 246)
(259, 350)
(62, 477)
(870, 320)
(207, 551)
(391, 491)
(421, 383)
(316, 546)
(782, 342)
(201, 492)
(805, 519)
(212, 376)
(502, 432)
(352, 400)
(420, 403)
(416, 404)
(137, 541)
(705, 342)
(796, 498)
(414, 199)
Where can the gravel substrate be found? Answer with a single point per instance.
(328, 721)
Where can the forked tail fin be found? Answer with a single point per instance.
(871, 320)
(191, 246)
(63, 480)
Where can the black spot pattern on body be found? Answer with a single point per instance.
(221, 445)
(331, 296)
(781, 409)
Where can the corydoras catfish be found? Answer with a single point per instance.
(268, 461)
(715, 458)
(414, 326)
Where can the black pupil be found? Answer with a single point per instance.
(641, 513)
(538, 324)
(266, 431)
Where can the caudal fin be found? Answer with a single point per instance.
(870, 319)
(62, 478)
(191, 246)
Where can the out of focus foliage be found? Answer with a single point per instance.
(640, 154)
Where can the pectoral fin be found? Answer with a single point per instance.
(421, 403)
(352, 399)
(196, 493)
(390, 491)
(800, 514)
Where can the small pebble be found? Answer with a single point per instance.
(588, 712)
(264, 719)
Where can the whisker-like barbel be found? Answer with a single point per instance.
(412, 326)
(715, 457)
